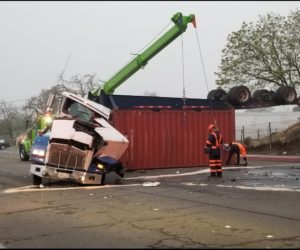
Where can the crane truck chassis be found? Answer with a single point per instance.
(40, 123)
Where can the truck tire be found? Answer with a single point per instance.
(263, 95)
(103, 179)
(239, 95)
(36, 180)
(22, 153)
(285, 95)
(217, 94)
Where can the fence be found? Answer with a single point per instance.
(258, 125)
(259, 133)
(268, 133)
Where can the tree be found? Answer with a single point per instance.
(13, 120)
(10, 120)
(263, 55)
(38, 103)
(76, 84)
(80, 85)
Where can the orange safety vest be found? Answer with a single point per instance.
(216, 143)
(242, 148)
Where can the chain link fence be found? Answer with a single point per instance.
(263, 125)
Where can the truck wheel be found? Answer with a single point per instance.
(217, 94)
(285, 95)
(36, 180)
(263, 95)
(22, 153)
(102, 179)
(239, 95)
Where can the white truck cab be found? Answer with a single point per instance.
(83, 146)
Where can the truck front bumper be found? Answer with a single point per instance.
(53, 173)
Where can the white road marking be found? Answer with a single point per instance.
(1, 246)
(262, 188)
(168, 175)
(203, 171)
(193, 184)
(151, 184)
(33, 188)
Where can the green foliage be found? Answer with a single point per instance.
(265, 54)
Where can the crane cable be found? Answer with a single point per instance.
(202, 63)
(183, 76)
(154, 38)
(183, 71)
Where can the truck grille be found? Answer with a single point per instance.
(68, 156)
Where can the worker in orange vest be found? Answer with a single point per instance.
(213, 149)
(240, 150)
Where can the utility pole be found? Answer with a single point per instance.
(270, 135)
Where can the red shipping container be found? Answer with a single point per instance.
(170, 138)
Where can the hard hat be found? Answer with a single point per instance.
(211, 126)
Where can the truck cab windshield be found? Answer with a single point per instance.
(78, 111)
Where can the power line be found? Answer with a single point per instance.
(13, 101)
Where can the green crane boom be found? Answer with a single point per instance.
(142, 59)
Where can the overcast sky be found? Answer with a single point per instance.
(37, 38)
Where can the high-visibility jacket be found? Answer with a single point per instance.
(213, 144)
(214, 140)
(242, 148)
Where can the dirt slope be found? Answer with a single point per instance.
(285, 142)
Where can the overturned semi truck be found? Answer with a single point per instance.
(240, 97)
(82, 146)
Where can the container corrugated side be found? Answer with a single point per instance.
(170, 138)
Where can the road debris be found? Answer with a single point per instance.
(151, 184)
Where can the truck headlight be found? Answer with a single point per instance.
(100, 166)
(38, 152)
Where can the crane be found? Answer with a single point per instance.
(180, 25)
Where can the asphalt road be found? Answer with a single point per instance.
(249, 207)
